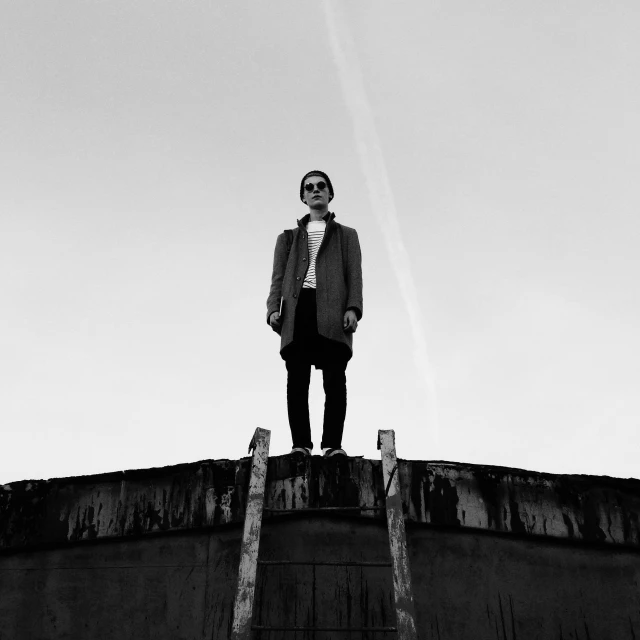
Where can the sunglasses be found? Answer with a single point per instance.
(309, 187)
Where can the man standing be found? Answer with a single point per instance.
(315, 303)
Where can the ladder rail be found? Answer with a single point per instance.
(243, 604)
(403, 593)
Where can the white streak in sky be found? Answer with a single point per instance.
(382, 202)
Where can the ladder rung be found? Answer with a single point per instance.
(314, 509)
(328, 563)
(344, 629)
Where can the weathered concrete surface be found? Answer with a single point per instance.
(495, 553)
(213, 493)
(467, 585)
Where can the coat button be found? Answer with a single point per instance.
(298, 278)
(295, 295)
(304, 259)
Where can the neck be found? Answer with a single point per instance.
(317, 214)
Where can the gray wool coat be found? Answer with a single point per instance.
(338, 280)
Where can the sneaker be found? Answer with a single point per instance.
(328, 453)
(305, 451)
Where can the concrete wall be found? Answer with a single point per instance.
(495, 553)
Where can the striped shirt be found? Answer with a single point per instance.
(315, 233)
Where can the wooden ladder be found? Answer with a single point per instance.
(243, 604)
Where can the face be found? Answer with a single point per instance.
(317, 198)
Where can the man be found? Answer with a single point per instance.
(315, 303)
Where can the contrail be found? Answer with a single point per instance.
(382, 202)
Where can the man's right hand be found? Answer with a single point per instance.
(274, 321)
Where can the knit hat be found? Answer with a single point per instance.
(323, 175)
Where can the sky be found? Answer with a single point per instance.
(486, 153)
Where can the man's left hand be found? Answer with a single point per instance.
(350, 321)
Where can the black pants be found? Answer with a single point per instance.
(309, 348)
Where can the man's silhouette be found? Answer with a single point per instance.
(315, 303)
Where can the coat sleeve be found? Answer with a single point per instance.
(277, 275)
(354, 274)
